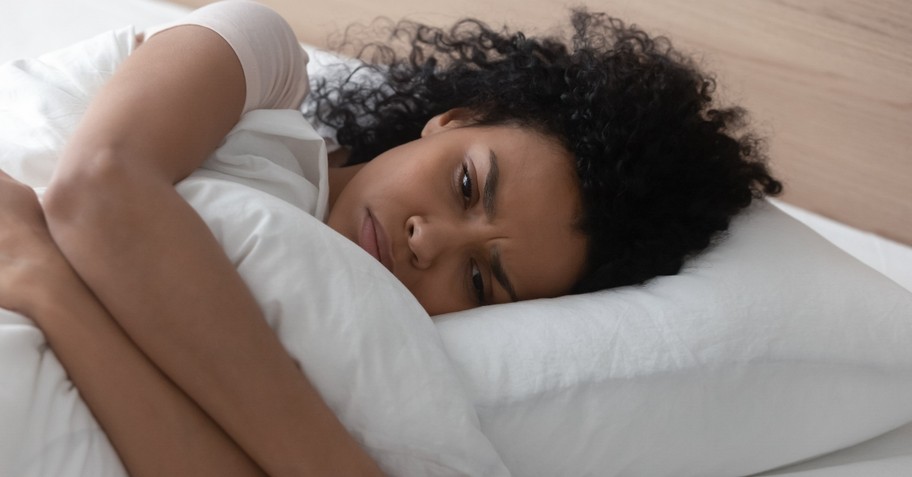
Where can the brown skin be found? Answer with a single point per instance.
(427, 200)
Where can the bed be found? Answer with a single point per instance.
(738, 366)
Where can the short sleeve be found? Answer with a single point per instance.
(274, 63)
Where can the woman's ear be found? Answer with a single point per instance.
(454, 118)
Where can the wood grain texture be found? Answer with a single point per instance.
(829, 82)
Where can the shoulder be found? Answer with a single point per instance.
(235, 19)
(273, 60)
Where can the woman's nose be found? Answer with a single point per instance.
(429, 241)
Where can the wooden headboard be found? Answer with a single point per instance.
(828, 82)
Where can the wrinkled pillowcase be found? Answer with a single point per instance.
(358, 334)
(771, 347)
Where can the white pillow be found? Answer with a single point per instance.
(358, 334)
(771, 347)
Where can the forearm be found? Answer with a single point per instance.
(144, 415)
(165, 278)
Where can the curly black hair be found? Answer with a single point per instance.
(662, 168)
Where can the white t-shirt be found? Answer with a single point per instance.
(265, 146)
(274, 63)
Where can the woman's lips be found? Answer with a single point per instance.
(373, 239)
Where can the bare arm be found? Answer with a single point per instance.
(151, 261)
(143, 414)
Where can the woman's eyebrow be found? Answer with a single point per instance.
(500, 274)
(490, 188)
(490, 193)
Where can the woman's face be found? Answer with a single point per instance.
(469, 215)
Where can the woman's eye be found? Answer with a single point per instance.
(478, 283)
(466, 184)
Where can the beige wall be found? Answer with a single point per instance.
(829, 81)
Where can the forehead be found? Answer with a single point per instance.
(537, 207)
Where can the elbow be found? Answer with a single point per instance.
(77, 187)
(75, 210)
(101, 191)
(60, 202)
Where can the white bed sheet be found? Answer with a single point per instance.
(890, 258)
(31, 28)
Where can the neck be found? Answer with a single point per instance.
(338, 179)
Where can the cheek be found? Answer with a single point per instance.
(408, 192)
(437, 294)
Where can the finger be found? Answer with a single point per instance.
(6, 178)
(16, 194)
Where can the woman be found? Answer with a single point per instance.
(503, 168)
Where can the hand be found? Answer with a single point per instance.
(31, 265)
